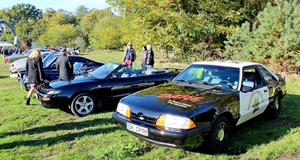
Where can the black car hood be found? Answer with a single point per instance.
(78, 80)
(179, 99)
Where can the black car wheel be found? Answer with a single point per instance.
(274, 108)
(83, 104)
(220, 135)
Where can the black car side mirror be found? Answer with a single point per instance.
(246, 88)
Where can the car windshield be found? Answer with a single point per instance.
(105, 70)
(49, 62)
(209, 74)
(28, 53)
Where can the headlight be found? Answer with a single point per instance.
(177, 122)
(54, 92)
(124, 110)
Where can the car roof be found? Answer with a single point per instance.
(235, 64)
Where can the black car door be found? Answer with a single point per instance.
(121, 84)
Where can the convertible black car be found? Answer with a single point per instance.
(105, 85)
(202, 104)
(52, 73)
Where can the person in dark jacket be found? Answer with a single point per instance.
(144, 52)
(149, 60)
(34, 71)
(129, 55)
(64, 66)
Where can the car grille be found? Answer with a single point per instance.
(142, 119)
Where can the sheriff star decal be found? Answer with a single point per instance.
(255, 99)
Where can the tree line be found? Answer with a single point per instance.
(263, 31)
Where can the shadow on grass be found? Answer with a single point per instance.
(261, 129)
(62, 126)
(1, 76)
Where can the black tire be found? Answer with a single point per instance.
(83, 104)
(275, 107)
(220, 135)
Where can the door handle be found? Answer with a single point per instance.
(265, 90)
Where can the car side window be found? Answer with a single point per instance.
(252, 78)
(268, 77)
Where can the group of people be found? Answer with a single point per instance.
(147, 60)
(36, 74)
(9, 51)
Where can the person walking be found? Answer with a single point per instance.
(144, 52)
(64, 66)
(149, 60)
(129, 55)
(34, 71)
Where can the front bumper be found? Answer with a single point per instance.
(186, 140)
(52, 101)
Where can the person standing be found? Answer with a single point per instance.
(34, 71)
(149, 60)
(144, 52)
(64, 66)
(129, 55)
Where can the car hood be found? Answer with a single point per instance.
(78, 80)
(182, 100)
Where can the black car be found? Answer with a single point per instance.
(202, 104)
(86, 65)
(105, 85)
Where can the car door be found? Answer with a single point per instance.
(124, 82)
(254, 94)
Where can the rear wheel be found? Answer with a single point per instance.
(274, 108)
(83, 104)
(220, 135)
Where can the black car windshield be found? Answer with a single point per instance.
(209, 74)
(105, 70)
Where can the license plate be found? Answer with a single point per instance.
(137, 129)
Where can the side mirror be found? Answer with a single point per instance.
(246, 88)
(114, 76)
(53, 65)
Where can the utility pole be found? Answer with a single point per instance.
(16, 41)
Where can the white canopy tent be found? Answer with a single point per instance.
(5, 44)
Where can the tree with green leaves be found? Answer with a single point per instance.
(195, 28)
(274, 40)
(106, 34)
(23, 18)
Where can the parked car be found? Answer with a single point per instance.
(52, 73)
(25, 54)
(202, 104)
(20, 63)
(74, 51)
(105, 85)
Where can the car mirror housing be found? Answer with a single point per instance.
(246, 88)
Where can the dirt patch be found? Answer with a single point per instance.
(7, 86)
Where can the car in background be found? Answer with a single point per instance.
(103, 86)
(202, 104)
(74, 51)
(20, 64)
(52, 73)
(25, 54)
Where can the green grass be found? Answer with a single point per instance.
(34, 132)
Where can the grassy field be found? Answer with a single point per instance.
(34, 132)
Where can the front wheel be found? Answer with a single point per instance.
(83, 104)
(220, 135)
